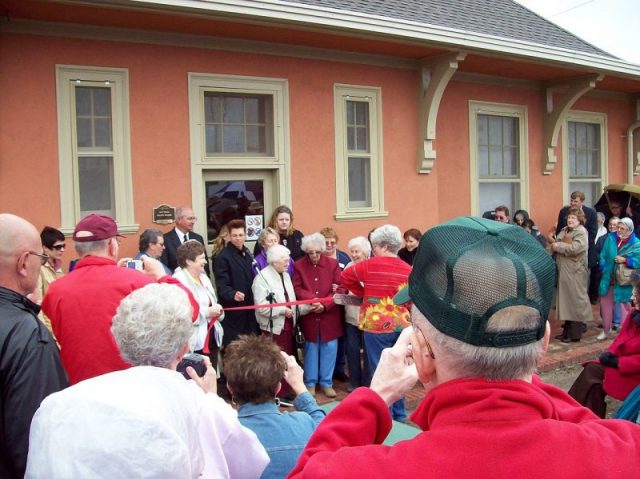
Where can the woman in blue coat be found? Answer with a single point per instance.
(620, 247)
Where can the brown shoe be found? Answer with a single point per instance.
(312, 390)
(329, 392)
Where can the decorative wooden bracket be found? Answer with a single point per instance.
(572, 90)
(435, 74)
(633, 144)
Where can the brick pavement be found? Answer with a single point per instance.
(558, 355)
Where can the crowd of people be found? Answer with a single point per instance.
(462, 309)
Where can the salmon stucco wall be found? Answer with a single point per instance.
(158, 87)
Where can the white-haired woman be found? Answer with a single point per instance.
(207, 330)
(359, 250)
(620, 247)
(377, 280)
(316, 277)
(276, 322)
(105, 422)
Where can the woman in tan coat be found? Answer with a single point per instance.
(570, 248)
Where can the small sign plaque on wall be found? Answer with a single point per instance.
(164, 214)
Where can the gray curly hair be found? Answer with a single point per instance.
(152, 325)
(315, 239)
(389, 236)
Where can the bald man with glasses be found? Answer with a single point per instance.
(30, 367)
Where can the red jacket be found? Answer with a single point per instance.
(81, 306)
(377, 280)
(473, 428)
(315, 281)
(620, 381)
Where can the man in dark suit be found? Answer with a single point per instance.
(183, 231)
(591, 225)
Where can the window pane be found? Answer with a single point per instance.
(103, 132)
(212, 108)
(496, 194)
(232, 110)
(581, 136)
(495, 161)
(495, 130)
(96, 184)
(483, 130)
(594, 164)
(233, 139)
(498, 149)
(591, 190)
(584, 150)
(93, 117)
(362, 139)
(483, 161)
(351, 138)
(359, 182)
(254, 110)
(256, 138)
(83, 128)
(510, 161)
(213, 138)
(351, 112)
(509, 132)
(362, 113)
(572, 134)
(102, 102)
(238, 124)
(233, 199)
(83, 101)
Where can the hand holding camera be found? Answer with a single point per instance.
(199, 369)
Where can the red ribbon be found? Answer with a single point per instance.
(328, 299)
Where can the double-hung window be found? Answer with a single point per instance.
(93, 145)
(359, 181)
(584, 154)
(498, 156)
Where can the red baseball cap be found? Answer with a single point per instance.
(95, 227)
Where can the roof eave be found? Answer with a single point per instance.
(355, 22)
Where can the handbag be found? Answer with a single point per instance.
(624, 274)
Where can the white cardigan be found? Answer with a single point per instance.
(272, 283)
(203, 294)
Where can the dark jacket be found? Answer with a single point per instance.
(293, 242)
(407, 256)
(590, 224)
(172, 243)
(30, 370)
(232, 271)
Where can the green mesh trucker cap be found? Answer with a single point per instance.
(469, 268)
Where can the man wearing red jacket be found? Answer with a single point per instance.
(481, 294)
(82, 304)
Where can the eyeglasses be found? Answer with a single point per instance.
(59, 247)
(43, 257)
(314, 253)
(415, 328)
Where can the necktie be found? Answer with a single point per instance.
(185, 238)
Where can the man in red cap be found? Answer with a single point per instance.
(82, 304)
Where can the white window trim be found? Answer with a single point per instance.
(373, 95)
(67, 148)
(500, 109)
(279, 161)
(584, 117)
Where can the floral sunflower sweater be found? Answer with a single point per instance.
(377, 280)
